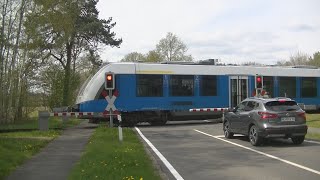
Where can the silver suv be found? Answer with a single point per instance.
(261, 118)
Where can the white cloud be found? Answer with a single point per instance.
(234, 31)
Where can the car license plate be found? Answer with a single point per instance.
(288, 119)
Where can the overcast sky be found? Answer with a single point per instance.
(234, 31)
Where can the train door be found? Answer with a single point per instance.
(238, 89)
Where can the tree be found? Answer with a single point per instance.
(171, 48)
(315, 60)
(153, 56)
(296, 59)
(58, 27)
(15, 66)
(133, 57)
(251, 63)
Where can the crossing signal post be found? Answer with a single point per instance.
(259, 84)
(110, 85)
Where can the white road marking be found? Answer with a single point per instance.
(262, 153)
(206, 121)
(236, 135)
(162, 158)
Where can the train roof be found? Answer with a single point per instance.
(191, 69)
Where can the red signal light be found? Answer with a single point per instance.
(259, 82)
(109, 81)
(109, 77)
(258, 79)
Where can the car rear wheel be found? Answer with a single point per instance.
(226, 130)
(297, 139)
(254, 137)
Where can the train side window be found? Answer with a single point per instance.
(181, 85)
(287, 87)
(208, 86)
(308, 87)
(268, 85)
(149, 85)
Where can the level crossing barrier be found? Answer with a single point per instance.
(44, 116)
(223, 110)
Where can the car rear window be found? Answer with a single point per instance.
(282, 106)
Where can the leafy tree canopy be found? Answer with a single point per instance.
(133, 57)
(171, 48)
(64, 29)
(302, 59)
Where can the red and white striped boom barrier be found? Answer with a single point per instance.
(209, 110)
(80, 114)
(70, 114)
(44, 116)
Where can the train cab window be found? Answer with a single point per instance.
(208, 85)
(181, 85)
(287, 87)
(308, 87)
(149, 85)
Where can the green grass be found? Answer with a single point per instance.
(31, 134)
(15, 148)
(14, 152)
(314, 136)
(54, 123)
(21, 140)
(106, 158)
(313, 120)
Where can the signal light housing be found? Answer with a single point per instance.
(109, 81)
(259, 82)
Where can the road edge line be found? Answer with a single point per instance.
(262, 153)
(173, 171)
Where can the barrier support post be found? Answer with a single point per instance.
(111, 111)
(43, 120)
(223, 116)
(120, 129)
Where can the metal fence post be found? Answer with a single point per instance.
(43, 120)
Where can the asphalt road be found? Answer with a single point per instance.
(198, 150)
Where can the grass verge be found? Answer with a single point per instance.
(21, 140)
(313, 120)
(314, 136)
(14, 151)
(32, 124)
(107, 158)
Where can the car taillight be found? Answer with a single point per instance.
(266, 115)
(303, 115)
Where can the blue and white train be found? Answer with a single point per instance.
(157, 93)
